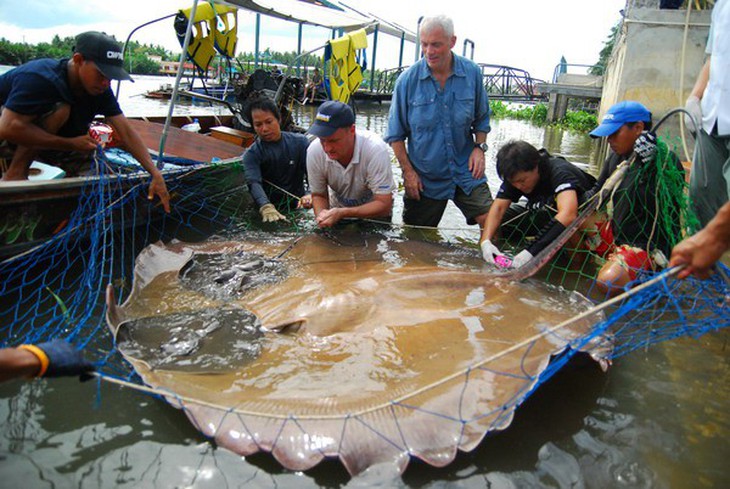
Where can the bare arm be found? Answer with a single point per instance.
(320, 202)
(16, 363)
(494, 218)
(567, 203)
(702, 79)
(477, 161)
(21, 130)
(411, 180)
(134, 144)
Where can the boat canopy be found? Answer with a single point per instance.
(332, 14)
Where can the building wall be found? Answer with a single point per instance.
(656, 60)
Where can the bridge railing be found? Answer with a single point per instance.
(508, 83)
(500, 82)
(385, 81)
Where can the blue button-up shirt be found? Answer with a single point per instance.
(439, 124)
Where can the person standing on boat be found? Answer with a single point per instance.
(349, 169)
(440, 106)
(276, 164)
(547, 182)
(709, 103)
(48, 104)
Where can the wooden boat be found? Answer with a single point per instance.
(34, 211)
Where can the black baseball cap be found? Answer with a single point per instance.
(331, 115)
(105, 52)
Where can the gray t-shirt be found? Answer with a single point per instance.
(369, 172)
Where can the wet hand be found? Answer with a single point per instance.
(477, 163)
(158, 188)
(328, 218)
(413, 185)
(698, 254)
(83, 144)
(305, 202)
(270, 214)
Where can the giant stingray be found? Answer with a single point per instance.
(368, 349)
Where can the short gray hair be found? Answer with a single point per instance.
(442, 21)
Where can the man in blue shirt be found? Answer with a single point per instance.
(440, 106)
(48, 104)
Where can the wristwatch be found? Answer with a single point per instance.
(483, 146)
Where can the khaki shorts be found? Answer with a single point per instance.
(428, 212)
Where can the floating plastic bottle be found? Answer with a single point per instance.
(193, 126)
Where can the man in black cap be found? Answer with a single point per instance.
(349, 169)
(48, 104)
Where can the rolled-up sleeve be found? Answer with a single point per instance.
(481, 116)
(398, 129)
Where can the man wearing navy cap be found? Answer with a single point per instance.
(48, 104)
(349, 169)
(638, 235)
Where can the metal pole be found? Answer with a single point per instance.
(173, 99)
(375, 51)
(463, 52)
(126, 43)
(258, 33)
(299, 48)
(418, 39)
(402, 47)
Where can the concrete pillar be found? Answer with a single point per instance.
(557, 107)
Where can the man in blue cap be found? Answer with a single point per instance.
(349, 169)
(638, 235)
(48, 104)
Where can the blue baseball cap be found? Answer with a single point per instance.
(620, 114)
(331, 115)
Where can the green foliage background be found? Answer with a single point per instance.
(578, 121)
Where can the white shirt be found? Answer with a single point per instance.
(716, 99)
(369, 172)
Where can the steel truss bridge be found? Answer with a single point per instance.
(501, 82)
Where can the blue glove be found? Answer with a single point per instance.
(645, 147)
(64, 359)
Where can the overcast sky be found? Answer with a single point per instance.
(527, 34)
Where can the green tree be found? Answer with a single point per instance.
(142, 65)
(600, 67)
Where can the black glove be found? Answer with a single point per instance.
(64, 359)
(645, 147)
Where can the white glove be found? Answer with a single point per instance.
(489, 251)
(694, 107)
(270, 214)
(521, 259)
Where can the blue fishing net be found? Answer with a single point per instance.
(56, 288)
